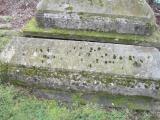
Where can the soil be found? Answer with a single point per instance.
(157, 12)
(22, 10)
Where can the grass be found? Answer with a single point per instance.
(18, 104)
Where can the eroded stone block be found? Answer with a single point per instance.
(83, 66)
(32, 30)
(120, 16)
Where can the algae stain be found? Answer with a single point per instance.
(78, 98)
(3, 42)
(91, 2)
(69, 8)
(32, 29)
(101, 3)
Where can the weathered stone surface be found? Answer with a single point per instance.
(103, 99)
(32, 30)
(5, 26)
(82, 66)
(120, 16)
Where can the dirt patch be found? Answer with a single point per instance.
(20, 10)
(157, 12)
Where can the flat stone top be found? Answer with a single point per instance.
(136, 8)
(114, 59)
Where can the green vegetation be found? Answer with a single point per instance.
(3, 42)
(17, 104)
(70, 8)
(5, 37)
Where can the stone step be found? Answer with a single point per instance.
(102, 99)
(83, 66)
(32, 30)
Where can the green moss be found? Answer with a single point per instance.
(4, 38)
(32, 29)
(8, 33)
(133, 102)
(2, 33)
(19, 83)
(78, 98)
(70, 75)
(64, 74)
(101, 3)
(91, 2)
(3, 42)
(69, 8)
(105, 99)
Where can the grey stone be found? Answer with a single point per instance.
(104, 100)
(5, 26)
(120, 16)
(32, 30)
(83, 66)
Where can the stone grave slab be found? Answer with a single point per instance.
(82, 66)
(119, 16)
(33, 30)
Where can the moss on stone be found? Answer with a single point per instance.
(105, 79)
(32, 29)
(4, 41)
(78, 98)
(104, 99)
(69, 8)
(132, 102)
(35, 30)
